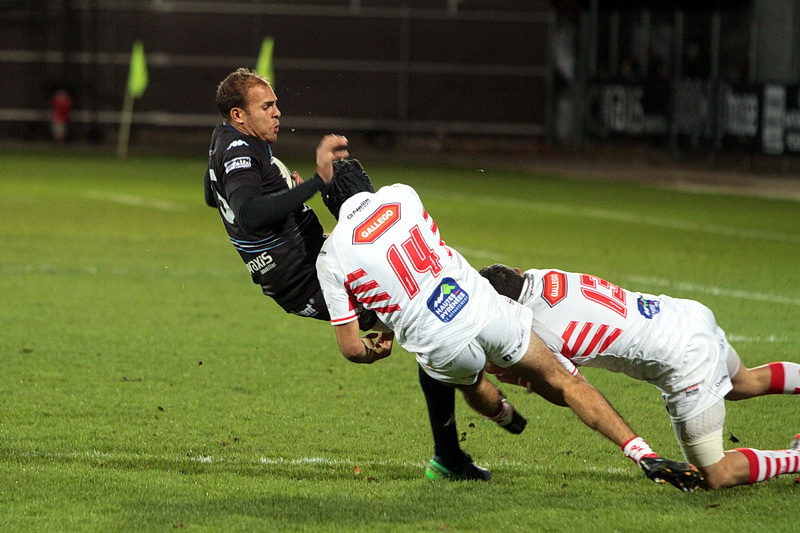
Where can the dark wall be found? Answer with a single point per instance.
(403, 66)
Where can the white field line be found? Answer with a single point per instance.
(718, 291)
(50, 268)
(209, 459)
(767, 339)
(323, 461)
(136, 201)
(619, 216)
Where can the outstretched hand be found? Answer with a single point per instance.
(505, 375)
(330, 148)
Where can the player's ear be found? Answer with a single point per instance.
(518, 271)
(236, 114)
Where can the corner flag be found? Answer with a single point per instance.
(137, 74)
(137, 83)
(264, 64)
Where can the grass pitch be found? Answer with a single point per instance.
(148, 386)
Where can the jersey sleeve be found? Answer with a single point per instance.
(341, 304)
(258, 212)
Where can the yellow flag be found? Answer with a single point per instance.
(264, 64)
(137, 74)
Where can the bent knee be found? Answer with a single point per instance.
(732, 470)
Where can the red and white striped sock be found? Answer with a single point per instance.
(766, 464)
(785, 378)
(637, 449)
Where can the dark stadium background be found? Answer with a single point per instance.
(683, 78)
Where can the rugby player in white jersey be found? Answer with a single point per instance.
(673, 343)
(386, 254)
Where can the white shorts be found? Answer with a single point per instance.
(503, 341)
(702, 378)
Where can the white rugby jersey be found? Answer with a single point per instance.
(386, 254)
(595, 323)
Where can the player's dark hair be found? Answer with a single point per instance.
(504, 279)
(232, 91)
(349, 179)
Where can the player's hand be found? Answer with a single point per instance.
(382, 342)
(296, 178)
(683, 476)
(330, 148)
(505, 376)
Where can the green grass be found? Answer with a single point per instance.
(146, 385)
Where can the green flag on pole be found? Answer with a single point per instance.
(137, 83)
(137, 74)
(264, 63)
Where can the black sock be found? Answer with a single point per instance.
(441, 400)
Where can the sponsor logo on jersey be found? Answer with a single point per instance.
(261, 264)
(447, 300)
(359, 208)
(555, 287)
(237, 142)
(377, 224)
(309, 310)
(239, 162)
(692, 389)
(648, 308)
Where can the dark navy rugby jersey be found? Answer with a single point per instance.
(284, 237)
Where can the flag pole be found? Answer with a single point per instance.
(126, 117)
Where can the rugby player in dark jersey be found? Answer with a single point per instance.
(278, 236)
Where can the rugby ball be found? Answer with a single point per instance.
(285, 172)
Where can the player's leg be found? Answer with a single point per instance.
(744, 466)
(487, 399)
(550, 378)
(773, 378)
(462, 370)
(700, 439)
(465, 372)
(441, 402)
(483, 397)
(449, 461)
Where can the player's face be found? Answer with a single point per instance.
(261, 117)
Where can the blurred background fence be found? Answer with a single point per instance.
(681, 75)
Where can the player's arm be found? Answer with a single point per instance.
(542, 368)
(255, 211)
(546, 374)
(367, 350)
